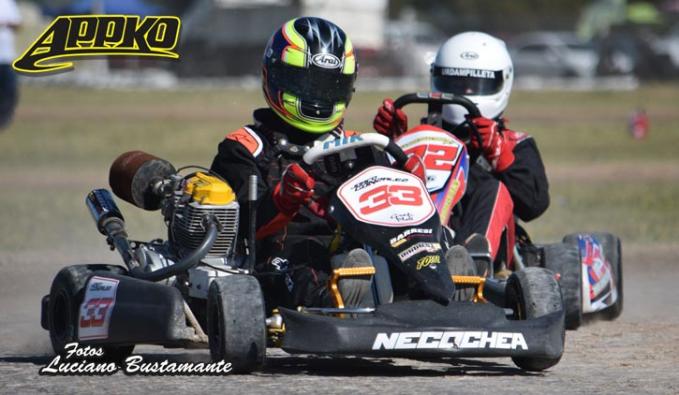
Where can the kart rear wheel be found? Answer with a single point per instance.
(532, 293)
(613, 252)
(236, 322)
(564, 259)
(66, 295)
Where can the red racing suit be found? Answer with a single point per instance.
(493, 198)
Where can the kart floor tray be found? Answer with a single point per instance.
(425, 328)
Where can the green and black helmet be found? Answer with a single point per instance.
(308, 74)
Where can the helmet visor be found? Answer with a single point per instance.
(472, 82)
(313, 85)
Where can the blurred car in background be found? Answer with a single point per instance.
(669, 44)
(413, 44)
(638, 49)
(553, 54)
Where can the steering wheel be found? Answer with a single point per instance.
(435, 102)
(330, 147)
(324, 148)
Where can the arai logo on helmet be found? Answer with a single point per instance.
(469, 55)
(326, 61)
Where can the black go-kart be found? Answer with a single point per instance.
(196, 290)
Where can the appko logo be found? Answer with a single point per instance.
(75, 36)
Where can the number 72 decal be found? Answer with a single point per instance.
(440, 152)
(436, 156)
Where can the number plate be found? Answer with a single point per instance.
(96, 309)
(387, 197)
(439, 151)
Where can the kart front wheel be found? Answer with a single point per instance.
(564, 259)
(66, 295)
(236, 322)
(532, 293)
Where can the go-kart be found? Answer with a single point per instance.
(588, 264)
(196, 290)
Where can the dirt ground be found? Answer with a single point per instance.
(638, 353)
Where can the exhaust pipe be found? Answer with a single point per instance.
(103, 209)
(110, 223)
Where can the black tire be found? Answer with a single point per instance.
(532, 293)
(236, 322)
(613, 253)
(66, 295)
(564, 259)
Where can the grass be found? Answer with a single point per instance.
(64, 139)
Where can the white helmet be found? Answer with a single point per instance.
(478, 66)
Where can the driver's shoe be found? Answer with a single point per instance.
(355, 291)
(460, 263)
(502, 273)
(479, 248)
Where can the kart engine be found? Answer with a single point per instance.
(196, 199)
(187, 202)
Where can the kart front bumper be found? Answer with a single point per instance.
(425, 329)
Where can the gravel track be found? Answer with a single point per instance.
(638, 353)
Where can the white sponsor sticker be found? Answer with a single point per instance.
(96, 309)
(418, 248)
(473, 73)
(326, 61)
(449, 340)
(469, 55)
(387, 197)
(407, 234)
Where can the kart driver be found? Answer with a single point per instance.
(507, 177)
(308, 73)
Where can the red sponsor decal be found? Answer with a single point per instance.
(95, 312)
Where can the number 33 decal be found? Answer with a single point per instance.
(94, 312)
(389, 195)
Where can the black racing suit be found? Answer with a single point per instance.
(493, 198)
(294, 251)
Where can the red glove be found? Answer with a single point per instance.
(498, 150)
(389, 121)
(415, 166)
(295, 189)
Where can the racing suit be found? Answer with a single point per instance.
(493, 198)
(294, 250)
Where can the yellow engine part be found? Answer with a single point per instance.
(208, 190)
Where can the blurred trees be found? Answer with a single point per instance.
(499, 17)
(174, 7)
